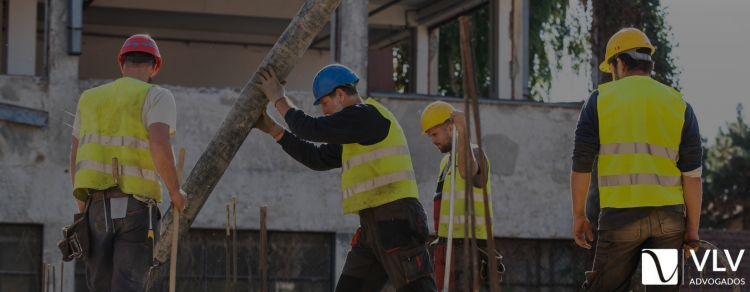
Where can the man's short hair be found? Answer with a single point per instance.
(349, 90)
(139, 58)
(633, 64)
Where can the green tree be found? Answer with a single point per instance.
(609, 16)
(726, 173)
(551, 30)
(449, 59)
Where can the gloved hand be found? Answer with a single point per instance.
(266, 124)
(269, 83)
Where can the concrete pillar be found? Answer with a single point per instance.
(62, 94)
(422, 59)
(433, 61)
(349, 39)
(21, 37)
(513, 49)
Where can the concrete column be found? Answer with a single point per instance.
(513, 49)
(351, 42)
(422, 60)
(433, 61)
(21, 37)
(62, 94)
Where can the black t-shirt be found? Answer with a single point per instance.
(317, 141)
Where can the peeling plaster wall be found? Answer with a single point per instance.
(529, 148)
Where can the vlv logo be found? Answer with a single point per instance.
(659, 266)
(733, 264)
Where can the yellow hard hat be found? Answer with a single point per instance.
(623, 40)
(435, 114)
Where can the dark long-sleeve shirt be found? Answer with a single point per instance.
(586, 149)
(359, 123)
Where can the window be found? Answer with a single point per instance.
(450, 77)
(297, 261)
(20, 257)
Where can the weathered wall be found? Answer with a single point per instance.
(528, 145)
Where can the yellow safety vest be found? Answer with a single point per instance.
(111, 127)
(374, 175)
(640, 128)
(460, 220)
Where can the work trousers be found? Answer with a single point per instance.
(390, 244)
(618, 251)
(118, 260)
(458, 275)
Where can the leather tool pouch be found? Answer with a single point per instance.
(75, 242)
(485, 266)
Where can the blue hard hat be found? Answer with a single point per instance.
(330, 77)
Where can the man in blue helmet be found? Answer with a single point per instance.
(364, 139)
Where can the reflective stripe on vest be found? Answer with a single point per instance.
(122, 169)
(111, 126)
(114, 141)
(640, 129)
(459, 203)
(374, 175)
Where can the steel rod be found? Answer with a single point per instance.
(234, 238)
(226, 247)
(465, 24)
(263, 249)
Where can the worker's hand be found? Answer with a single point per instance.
(582, 230)
(268, 125)
(458, 119)
(179, 201)
(690, 235)
(269, 83)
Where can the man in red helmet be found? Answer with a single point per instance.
(131, 120)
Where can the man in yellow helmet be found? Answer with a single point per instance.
(438, 119)
(364, 139)
(649, 167)
(131, 120)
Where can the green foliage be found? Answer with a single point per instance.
(551, 30)
(726, 173)
(401, 68)
(450, 75)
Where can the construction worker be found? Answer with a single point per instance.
(438, 119)
(131, 120)
(365, 140)
(649, 166)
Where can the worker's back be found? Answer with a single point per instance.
(640, 128)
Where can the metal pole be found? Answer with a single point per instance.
(54, 280)
(226, 247)
(263, 249)
(465, 24)
(449, 249)
(62, 276)
(467, 249)
(234, 238)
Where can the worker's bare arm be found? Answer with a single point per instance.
(73, 152)
(692, 192)
(579, 185)
(161, 151)
(459, 121)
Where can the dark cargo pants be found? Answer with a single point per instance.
(390, 244)
(618, 251)
(118, 260)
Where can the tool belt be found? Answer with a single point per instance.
(112, 193)
(75, 242)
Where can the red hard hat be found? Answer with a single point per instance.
(140, 43)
